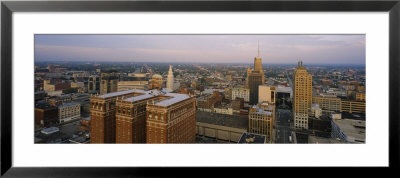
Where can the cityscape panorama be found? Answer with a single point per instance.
(218, 89)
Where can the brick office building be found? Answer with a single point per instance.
(171, 119)
(102, 114)
(45, 115)
(131, 116)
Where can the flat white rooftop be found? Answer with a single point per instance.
(175, 98)
(118, 93)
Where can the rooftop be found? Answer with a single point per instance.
(235, 121)
(148, 94)
(68, 105)
(248, 138)
(352, 128)
(316, 139)
(114, 94)
(175, 98)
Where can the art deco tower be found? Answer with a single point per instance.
(302, 96)
(170, 80)
(255, 78)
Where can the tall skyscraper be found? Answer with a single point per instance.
(302, 96)
(255, 78)
(170, 80)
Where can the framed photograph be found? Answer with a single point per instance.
(103, 88)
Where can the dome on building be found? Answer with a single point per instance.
(157, 76)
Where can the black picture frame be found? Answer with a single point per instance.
(8, 7)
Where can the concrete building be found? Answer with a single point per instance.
(170, 79)
(302, 96)
(352, 106)
(68, 112)
(261, 119)
(327, 102)
(241, 93)
(129, 85)
(266, 94)
(108, 82)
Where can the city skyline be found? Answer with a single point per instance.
(283, 49)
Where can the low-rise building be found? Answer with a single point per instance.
(68, 112)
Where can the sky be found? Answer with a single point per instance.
(284, 49)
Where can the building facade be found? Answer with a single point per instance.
(172, 119)
(93, 84)
(261, 119)
(241, 93)
(266, 94)
(68, 112)
(302, 96)
(108, 82)
(102, 115)
(129, 85)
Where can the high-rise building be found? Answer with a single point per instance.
(93, 83)
(108, 82)
(255, 78)
(170, 80)
(261, 119)
(266, 93)
(131, 116)
(172, 119)
(102, 115)
(302, 96)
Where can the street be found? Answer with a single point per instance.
(282, 126)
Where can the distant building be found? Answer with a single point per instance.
(129, 85)
(327, 102)
(68, 112)
(316, 111)
(156, 82)
(170, 79)
(45, 115)
(255, 77)
(108, 82)
(241, 93)
(261, 119)
(352, 106)
(77, 85)
(93, 84)
(266, 94)
(360, 96)
(302, 96)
